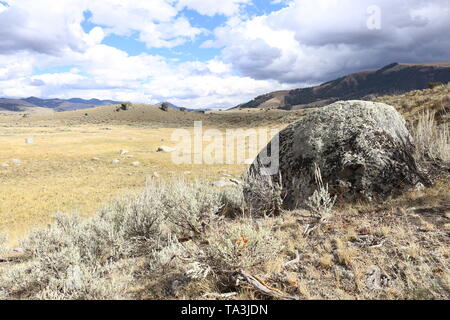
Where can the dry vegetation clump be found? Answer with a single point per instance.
(177, 240)
(165, 106)
(428, 114)
(432, 140)
(244, 244)
(264, 194)
(321, 203)
(412, 104)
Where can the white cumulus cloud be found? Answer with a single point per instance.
(214, 7)
(44, 50)
(316, 40)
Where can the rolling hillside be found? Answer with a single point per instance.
(392, 79)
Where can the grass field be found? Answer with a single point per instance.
(175, 239)
(70, 169)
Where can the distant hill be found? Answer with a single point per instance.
(35, 105)
(171, 105)
(392, 79)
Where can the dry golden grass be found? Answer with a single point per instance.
(412, 104)
(404, 238)
(58, 173)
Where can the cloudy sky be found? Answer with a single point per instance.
(207, 53)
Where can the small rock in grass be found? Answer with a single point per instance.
(136, 164)
(419, 187)
(29, 140)
(166, 149)
(123, 152)
(16, 161)
(115, 161)
(5, 165)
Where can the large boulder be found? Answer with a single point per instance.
(363, 149)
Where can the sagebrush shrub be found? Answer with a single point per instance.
(60, 273)
(242, 245)
(75, 258)
(172, 249)
(191, 207)
(233, 201)
(263, 195)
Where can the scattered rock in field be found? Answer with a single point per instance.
(165, 149)
(136, 164)
(186, 173)
(16, 161)
(418, 187)
(19, 250)
(5, 165)
(123, 152)
(363, 149)
(29, 140)
(115, 161)
(225, 183)
(156, 174)
(95, 159)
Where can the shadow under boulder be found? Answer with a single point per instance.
(363, 149)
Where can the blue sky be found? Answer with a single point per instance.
(206, 53)
(190, 50)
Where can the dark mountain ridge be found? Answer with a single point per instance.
(392, 79)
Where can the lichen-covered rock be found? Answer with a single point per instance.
(363, 149)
